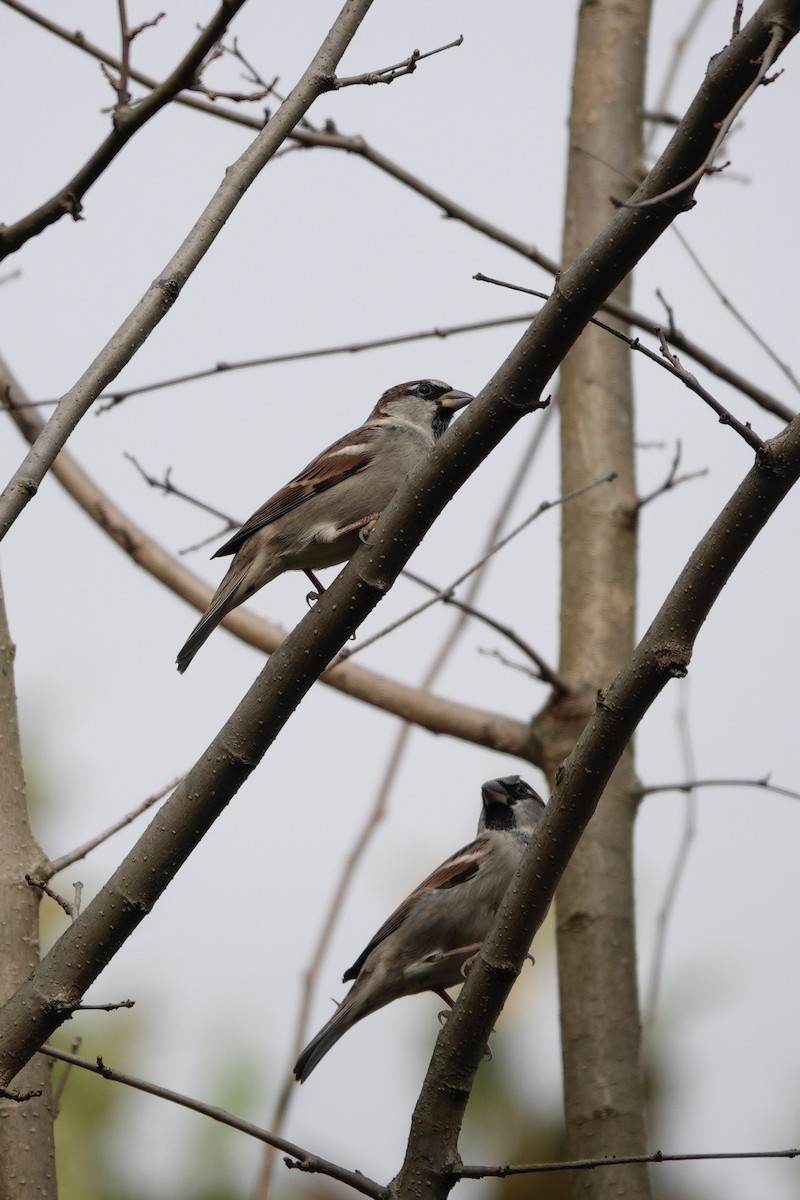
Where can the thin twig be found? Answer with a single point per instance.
(679, 49)
(112, 1007)
(670, 362)
(707, 166)
(128, 119)
(693, 784)
(389, 74)
(672, 480)
(679, 863)
(308, 137)
(19, 1097)
(66, 860)
(58, 1090)
(71, 907)
(544, 507)
(507, 662)
(544, 671)
(743, 428)
(466, 1171)
(168, 487)
(400, 339)
(727, 303)
(354, 1179)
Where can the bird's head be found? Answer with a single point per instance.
(426, 404)
(510, 803)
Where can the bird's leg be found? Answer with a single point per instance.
(364, 526)
(445, 1012)
(312, 596)
(368, 526)
(449, 1001)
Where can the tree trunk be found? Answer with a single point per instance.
(27, 1166)
(600, 1025)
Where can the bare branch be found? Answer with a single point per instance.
(20, 1097)
(356, 145)
(354, 1179)
(672, 480)
(113, 1007)
(400, 339)
(389, 74)
(127, 121)
(543, 670)
(672, 363)
(168, 487)
(692, 784)
(680, 860)
(744, 429)
(506, 662)
(71, 907)
(727, 303)
(776, 44)
(66, 860)
(167, 286)
(128, 34)
(447, 592)
(590, 1164)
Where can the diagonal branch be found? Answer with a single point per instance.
(128, 120)
(354, 144)
(355, 1179)
(165, 289)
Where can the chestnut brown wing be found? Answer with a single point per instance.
(343, 459)
(457, 869)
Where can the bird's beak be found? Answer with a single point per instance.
(454, 400)
(493, 793)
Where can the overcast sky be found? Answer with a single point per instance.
(325, 249)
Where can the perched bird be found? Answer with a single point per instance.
(430, 941)
(320, 516)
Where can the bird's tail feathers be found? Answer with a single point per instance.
(232, 591)
(346, 1015)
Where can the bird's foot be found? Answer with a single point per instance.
(314, 596)
(467, 964)
(366, 529)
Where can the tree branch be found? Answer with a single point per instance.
(357, 145)
(163, 292)
(127, 121)
(590, 1164)
(51, 868)
(388, 74)
(354, 1179)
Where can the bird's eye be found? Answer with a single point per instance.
(425, 390)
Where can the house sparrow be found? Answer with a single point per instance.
(320, 516)
(430, 941)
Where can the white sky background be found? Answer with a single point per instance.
(325, 249)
